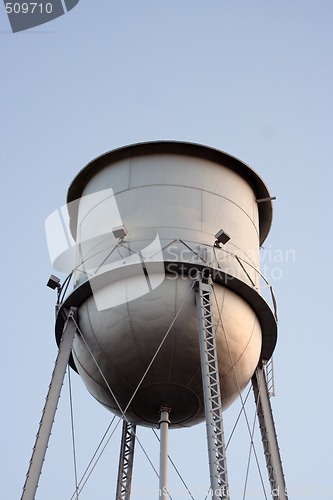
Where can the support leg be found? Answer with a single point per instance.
(212, 394)
(126, 461)
(50, 408)
(268, 435)
(164, 423)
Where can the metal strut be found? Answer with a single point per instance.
(212, 393)
(164, 424)
(126, 461)
(268, 435)
(50, 407)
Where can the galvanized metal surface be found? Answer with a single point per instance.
(164, 424)
(126, 458)
(175, 197)
(125, 339)
(181, 149)
(212, 393)
(269, 436)
(50, 408)
(179, 195)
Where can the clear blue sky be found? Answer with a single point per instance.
(254, 79)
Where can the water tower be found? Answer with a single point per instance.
(166, 324)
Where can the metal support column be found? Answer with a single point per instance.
(164, 423)
(50, 407)
(212, 393)
(268, 435)
(126, 461)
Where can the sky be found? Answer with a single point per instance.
(252, 78)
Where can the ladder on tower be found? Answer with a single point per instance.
(126, 461)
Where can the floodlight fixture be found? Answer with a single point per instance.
(53, 282)
(119, 232)
(221, 237)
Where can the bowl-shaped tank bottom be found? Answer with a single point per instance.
(145, 353)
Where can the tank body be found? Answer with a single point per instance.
(172, 198)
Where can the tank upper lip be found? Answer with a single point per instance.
(176, 148)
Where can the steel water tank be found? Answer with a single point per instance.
(145, 218)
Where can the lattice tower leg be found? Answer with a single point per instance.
(268, 435)
(126, 461)
(212, 393)
(50, 407)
